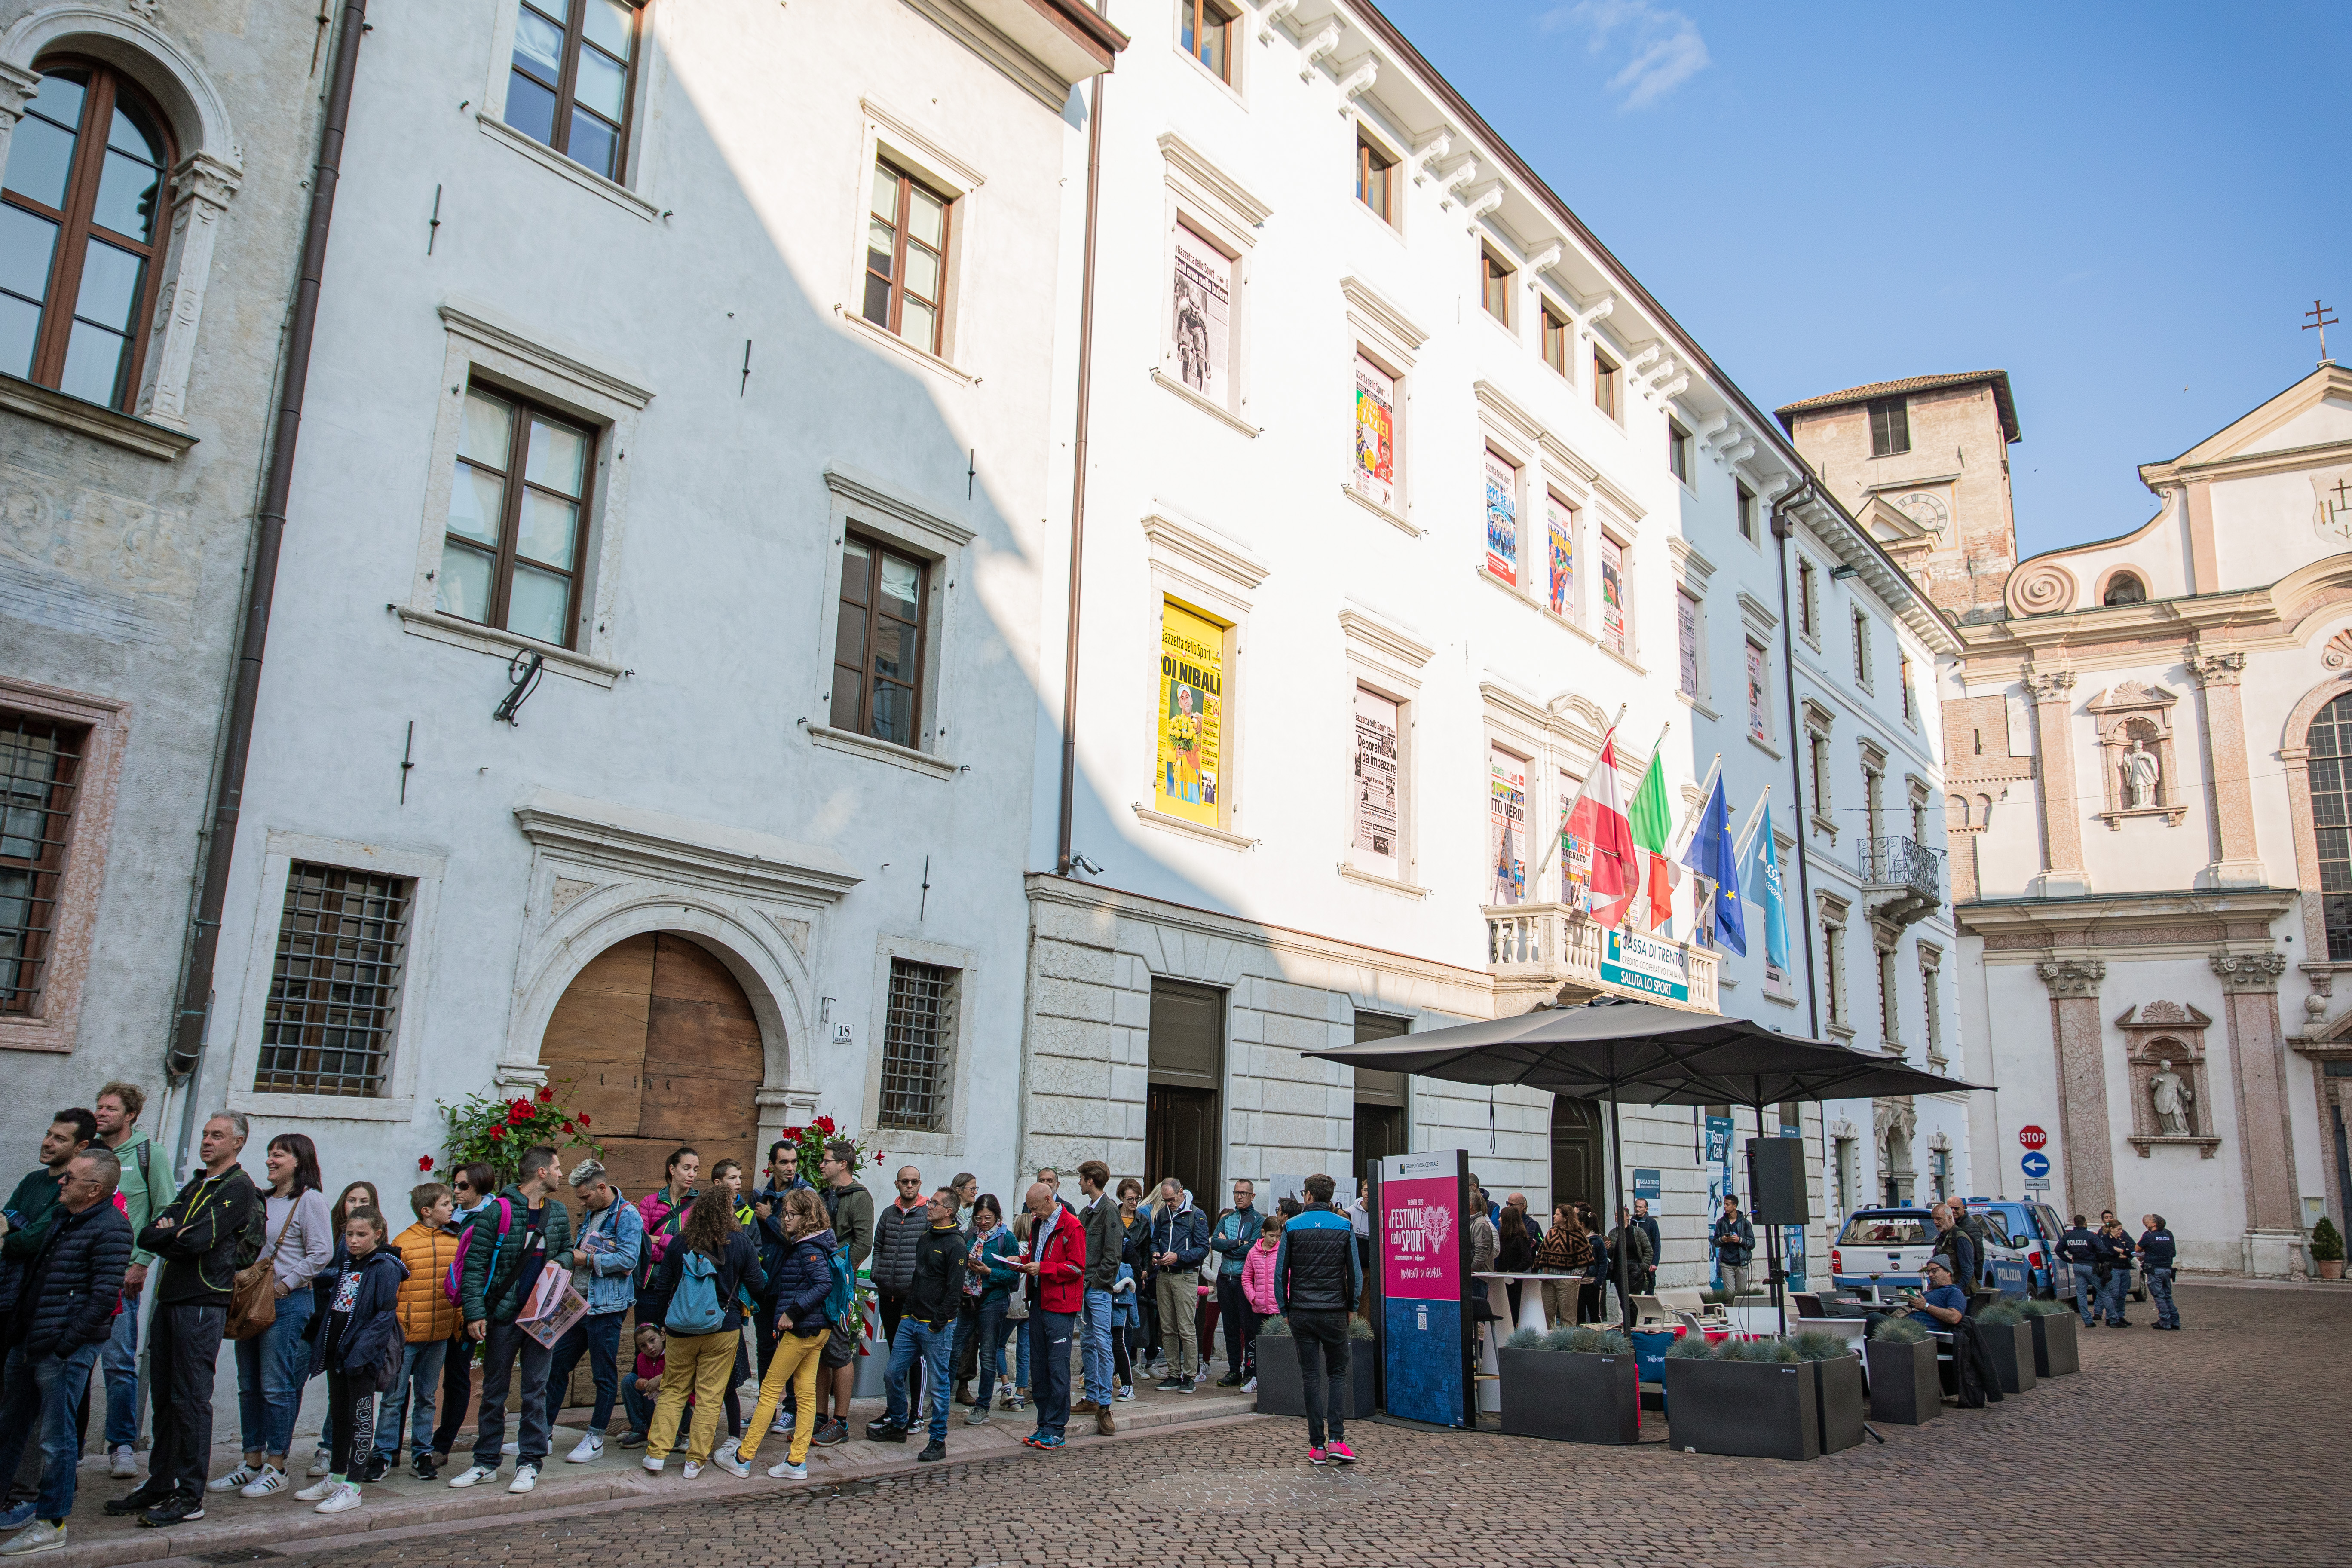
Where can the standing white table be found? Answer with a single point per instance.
(1531, 1316)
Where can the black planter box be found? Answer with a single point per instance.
(1757, 1410)
(1905, 1390)
(2056, 1349)
(1838, 1397)
(1570, 1396)
(2012, 1345)
(1281, 1393)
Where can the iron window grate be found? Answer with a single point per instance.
(917, 1033)
(40, 765)
(335, 986)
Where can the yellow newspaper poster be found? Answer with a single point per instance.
(1191, 714)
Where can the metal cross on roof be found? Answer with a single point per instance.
(2322, 320)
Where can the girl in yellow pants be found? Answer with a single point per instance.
(795, 1362)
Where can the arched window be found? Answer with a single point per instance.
(2330, 739)
(81, 221)
(2124, 588)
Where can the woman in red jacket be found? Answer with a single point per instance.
(1055, 1257)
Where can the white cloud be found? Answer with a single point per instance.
(1662, 49)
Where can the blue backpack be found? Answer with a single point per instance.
(842, 1297)
(694, 1306)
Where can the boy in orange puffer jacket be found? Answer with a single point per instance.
(428, 1319)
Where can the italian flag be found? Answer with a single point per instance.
(1598, 821)
(1651, 822)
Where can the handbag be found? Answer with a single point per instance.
(253, 1296)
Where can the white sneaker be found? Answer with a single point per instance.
(526, 1478)
(785, 1470)
(342, 1499)
(233, 1481)
(317, 1492)
(474, 1476)
(732, 1462)
(1250, 1387)
(783, 1423)
(39, 1536)
(591, 1447)
(692, 1470)
(510, 1449)
(270, 1479)
(320, 1462)
(126, 1463)
(653, 1465)
(1126, 1391)
(726, 1445)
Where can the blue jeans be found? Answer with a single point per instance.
(420, 1387)
(2159, 1292)
(120, 1362)
(2087, 1292)
(936, 1347)
(1098, 1347)
(1021, 1351)
(599, 1336)
(640, 1406)
(989, 1329)
(501, 1347)
(271, 1368)
(1049, 1357)
(44, 1396)
(2112, 1295)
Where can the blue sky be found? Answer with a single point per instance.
(2126, 207)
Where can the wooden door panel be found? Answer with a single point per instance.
(594, 1048)
(702, 1038)
(686, 972)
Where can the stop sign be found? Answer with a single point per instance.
(2032, 1137)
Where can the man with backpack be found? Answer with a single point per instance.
(507, 1243)
(610, 1243)
(849, 1210)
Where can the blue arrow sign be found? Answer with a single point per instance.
(2037, 1165)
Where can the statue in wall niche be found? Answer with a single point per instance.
(2170, 1094)
(2141, 772)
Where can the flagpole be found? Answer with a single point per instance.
(1705, 899)
(1642, 892)
(1582, 785)
(1756, 817)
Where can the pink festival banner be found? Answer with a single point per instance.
(1423, 1259)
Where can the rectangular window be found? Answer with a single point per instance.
(1604, 383)
(1679, 450)
(1378, 802)
(1556, 336)
(1375, 475)
(1686, 644)
(511, 555)
(1616, 611)
(1890, 428)
(1495, 286)
(1873, 791)
(1903, 674)
(1808, 600)
(1502, 518)
(877, 644)
(1560, 526)
(1890, 1003)
(1817, 746)
(1759, 693)
(40, 765)
(906, 257)
(1506, 828)
(1747, 513)
(1190, 715)
(1202, 322)
(1929, 976)
(573, 78)
(1206, 32)
(334, 989)
(1375, 179)
(1861, 649)
(1834, 957)
(917, 1041)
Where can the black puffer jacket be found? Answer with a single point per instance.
(74, 1280)
(897, 1240)
(802, 1282)
(374, 1323)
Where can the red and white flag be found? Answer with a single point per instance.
(1599, 821)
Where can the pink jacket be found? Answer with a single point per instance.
(654, 1208)
(1257, 1279)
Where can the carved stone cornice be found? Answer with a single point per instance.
(2072, 976)
(203, 178)
(2214, 668)
(2047, 685)
(2249, 970)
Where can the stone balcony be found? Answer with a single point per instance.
(1903, 878)
(1539, 953)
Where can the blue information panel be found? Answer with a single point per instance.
(1424, 1265)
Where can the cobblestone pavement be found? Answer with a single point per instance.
(2218, 1445)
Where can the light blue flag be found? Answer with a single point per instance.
(1764, 886)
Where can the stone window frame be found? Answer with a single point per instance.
(636, 193)
(1384, 659)
(2174, 1032)
(55, 1026)
(1389, 340)
(2114, 715)
(480, 341)
(399, 1101)
(1837, 1006)
(886, 136)
(211, 166)
(2295, 750)
(1931, 979)
(1821, 808)
(1692, 572)
(963, 1047)
(1214, 575)
(1218, 208)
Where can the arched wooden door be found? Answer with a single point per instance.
(657, 1042)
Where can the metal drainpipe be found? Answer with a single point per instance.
(187, 1048)
(1781, 528)
(1061, 849)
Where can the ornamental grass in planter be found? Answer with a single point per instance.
(2056, 1349)
(1754, 1398)
(2003, 1329)
(1573, 1384)
(1281, 1391)
(1905, 1390)
(1838, 1395)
